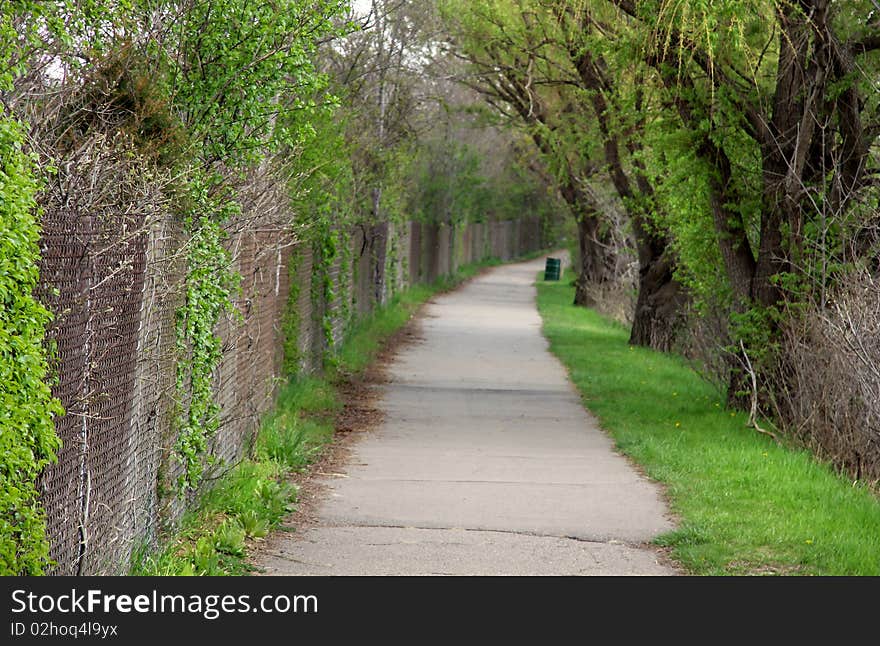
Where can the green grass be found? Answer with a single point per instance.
(744, 504)
(253, 498)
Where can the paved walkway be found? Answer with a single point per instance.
(486, 463)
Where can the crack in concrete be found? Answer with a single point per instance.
(470, 390)
(290, 559)
(596, 483)
(512, 532)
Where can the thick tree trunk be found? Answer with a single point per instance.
(587, 264)
(662, 300)
(660, 305)
(593, 255)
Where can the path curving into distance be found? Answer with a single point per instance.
(486, 462)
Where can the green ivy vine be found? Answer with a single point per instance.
(210, 282)
(28, 441)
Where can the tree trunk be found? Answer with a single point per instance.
(662, 300)
(586, 262)
(660, 304)
(593, 261)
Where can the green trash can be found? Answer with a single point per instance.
(553, 269)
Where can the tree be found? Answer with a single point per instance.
(777, 101)
(544, 62)
(522, 78)
(619, 108)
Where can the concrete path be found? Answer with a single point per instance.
(486, 463)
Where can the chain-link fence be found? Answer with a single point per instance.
(114, 282)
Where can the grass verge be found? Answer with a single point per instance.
(745, 505)
(252, 498)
